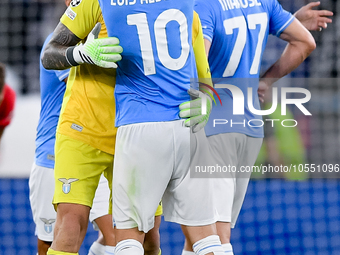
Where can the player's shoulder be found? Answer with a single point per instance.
(81, 4)
(211, 4)
(211, 9)
(81, 16)
(268, 5)
(78, 9)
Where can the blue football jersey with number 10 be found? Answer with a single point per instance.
(238, 32)
(157, 62)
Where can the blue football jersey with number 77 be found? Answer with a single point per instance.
(157, 62)
(238, 32)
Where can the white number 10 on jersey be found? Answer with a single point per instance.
(141, 22)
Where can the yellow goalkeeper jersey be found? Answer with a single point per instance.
(88, 110)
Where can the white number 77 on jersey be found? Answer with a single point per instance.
(240, 23)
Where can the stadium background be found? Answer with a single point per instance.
(278, 217)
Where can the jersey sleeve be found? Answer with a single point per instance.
(280, 19)
(202, 64)
(206, 15)
(62, 74)
(80, 18)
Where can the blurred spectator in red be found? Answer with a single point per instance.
(7, 101)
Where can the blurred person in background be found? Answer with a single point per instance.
(281, 146)
(41, 182)
(7, 102)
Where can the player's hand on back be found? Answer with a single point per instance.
(313, 19)
(103, 52)
(196, 111)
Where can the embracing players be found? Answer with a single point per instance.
(153, 147)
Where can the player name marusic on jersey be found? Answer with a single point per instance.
(132, 2)
(237, 4)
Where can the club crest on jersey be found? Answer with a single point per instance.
(75, 3)
(47, 224)
(67, 184)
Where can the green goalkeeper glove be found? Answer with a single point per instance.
(103, 52)
(196, 111)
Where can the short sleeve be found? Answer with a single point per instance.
(207, 17)
(62, 74)
(81, 17)
(280, 19)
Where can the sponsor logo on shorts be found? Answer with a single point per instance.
(67, 184)
(71, 14)
(77, 127)
(75, 3)
(47, 224)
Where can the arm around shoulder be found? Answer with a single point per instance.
(54, 55)
(61, 52)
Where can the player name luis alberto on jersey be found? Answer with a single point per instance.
(132, 2)
(237, 4)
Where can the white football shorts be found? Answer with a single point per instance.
(153, 159)
(41, 185)
(239, 150)
(101, 201)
